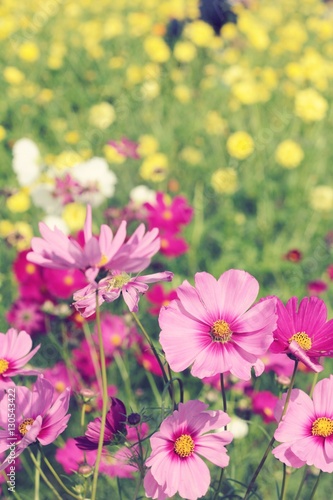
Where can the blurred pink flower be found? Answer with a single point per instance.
(115, 425)
(216, 331)
(303, 331)
(306, 430)
(26, 315)
(71, 457)
(111, 287)
(126, 148)
(117, 334)
(278, 363)
(15, 352)
(37, 418)
(175, 462)
(160, 297)
(168, 214)
(66, 189)
(316, 287)
(172, 245)
(263, 404)
(61, 378)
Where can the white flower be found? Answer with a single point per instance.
(142, 194)
(26, 161)
(97, 180)
(238, 427)
(53, 221)
(42, 196)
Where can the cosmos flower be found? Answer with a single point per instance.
(175, 461)
(37, 417)
(216, 331)
(303, 331)
(306, 429)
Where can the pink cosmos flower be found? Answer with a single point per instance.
(126, 148)
(115, 424)
(303, 331)
(61, 378)
(71, 457)
(117, 335)
(56, 251)
(111, 287)
(278, 363)
(158, 296)
(263, 403)
(62, 283)
(168, 214)
(37, 418)
(175, 462)
(172, 245)
(306, 430)
(26, 315)
(316, 287)
(215, 330)
(15, 352)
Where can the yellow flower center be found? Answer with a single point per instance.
(117, 281)
(323, 427)
(221, 331)
(103, 260)
(302, 339)
(25, 426)
(167, 215)
(3, 366)
(184, 445)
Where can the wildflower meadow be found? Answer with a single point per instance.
(166, 242)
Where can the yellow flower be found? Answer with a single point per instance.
(113, 27)
(157, 49)
(224, 181)
(139, 23)
(45, 96)
(200, 33)
(3, 133)
(289, 154)
(154, 168)
(184, 51)
(229, 31)
(214, 124)
(72, 137)
(240, 145)
(6, 227)
(29, 52)
(249, 92)
(21, 236)
(150, 89)
(148, 145)
(321, 198)
(134, 74)
(18, 202)
(67, 159)
(112, 155)
(310, 106)
(102, 115)
(74, 215)
(183, 93)
(191, 155)
(116, 62)
(13, 75)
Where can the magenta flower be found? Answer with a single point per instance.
(159, 297)
(172, 245)
(215, 330)
(15, 352)
(175, 462)
(168, 214)
(263, 403)
(306, 430)
(303, 331)
(56, 251)
(36, 417)
(26, 315)
(115, 424)
(71, 457)
(111, 287)
(126, 148)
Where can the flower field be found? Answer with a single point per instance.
(166, 242)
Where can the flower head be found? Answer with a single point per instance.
(303, 331)
(306, 430)
(175, 462)
(215, 330)
(15, 352)
(37, 417)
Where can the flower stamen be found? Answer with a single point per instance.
(302, 339)
(184, 446)
(3, 365)
(220, 331)
(323, 427)
(25, 426)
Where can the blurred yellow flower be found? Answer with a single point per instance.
(150, 90)
(191, 155)
(74, 215)
(45, 96)
(229, 31)
(6, 227)
(21, 236)
(310, 106)
(214, 123)
(289, 154)
(18, 202)
(3, 133)
(13, 75)
(147, 145)
(155, 167)
(184, 51)
(72, 137)
(240, 145)
(29, 52)
(134, 74)
(113, 26)
(321, 198)
(139, 23)
(157, 49)
(183, 93)
(102, 115)
(200, 33)
(224, 181)
(116, 62)
(112, 155)
(67, 159)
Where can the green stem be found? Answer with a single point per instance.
(37, 476)
(125, 376)
(315, 379)
(224, 402)
(57, 478)
(172, 388)
(284, 483)
(315, 487)
(50, 485)
(94, 355)
(105, 401)
(154, 388)
(140, 325)
(4, 475)
(270, 444)
(298, 495)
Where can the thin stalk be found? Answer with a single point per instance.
(105, 400)
(270, 444)
(37, 476)
(4, 475)
(154, 388)
(284, 483)
(50, 485)
(144, 331)
(315, 487)
(298, 495)
(58, 479)
(125, 376)
(94, 355)
(224, 403)
(315, 379)
(172, 388)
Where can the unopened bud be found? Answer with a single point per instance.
(134, 419)
(85, 470)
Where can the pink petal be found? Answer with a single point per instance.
(238, 291)
(211, 446)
